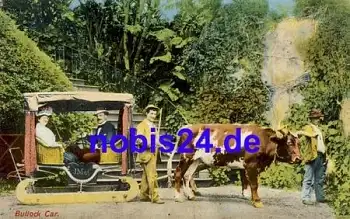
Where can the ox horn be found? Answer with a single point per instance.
(279, 134)
(283, 130)
(280, 131)
(294, 134)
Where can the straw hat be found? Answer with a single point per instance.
(151, 106)
(45, 111)
(101, 110)
(315, 113)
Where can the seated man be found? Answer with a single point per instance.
(104, 127)
(84, 155)
(43, 133)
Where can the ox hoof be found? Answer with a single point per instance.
(196, 193)
(258, 204)
(178, 200)
(191, 197)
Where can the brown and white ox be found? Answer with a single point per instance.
(280, 145)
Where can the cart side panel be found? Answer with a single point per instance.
(125, 127)
(29, 143)
(131, 163)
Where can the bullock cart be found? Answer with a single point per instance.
(88, 182)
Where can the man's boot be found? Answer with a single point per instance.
(307, 202)
(158, 202)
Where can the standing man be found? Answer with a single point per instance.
(315, 159)
(149, 183)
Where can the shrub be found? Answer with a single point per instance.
(23, 68)
(72, 126)
(281, 176)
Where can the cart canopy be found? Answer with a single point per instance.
(77, 100)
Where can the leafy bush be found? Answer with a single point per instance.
(23, 68)
(281, 176)
(224, 64)
(72, 126)
(7, 186)
(219, 175)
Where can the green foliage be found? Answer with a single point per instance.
(24, 69)
(327, 56)
(219, 175)
(207, 62)
(193, 16)
(224, 65)
(7, 186)
(72, 126)
(50, 23)
(281, 176)
(46, 180)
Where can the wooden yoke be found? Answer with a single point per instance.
(29, 143)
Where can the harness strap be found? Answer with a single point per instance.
(275, 157)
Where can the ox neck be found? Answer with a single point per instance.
(276, 156)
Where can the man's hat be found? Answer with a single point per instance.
(151, 106)
(315, 113)
(45, 111)
(101, 110)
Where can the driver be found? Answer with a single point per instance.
(104, 127)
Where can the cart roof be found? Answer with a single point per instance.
(77, 100)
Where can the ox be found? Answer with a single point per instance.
(280, 145)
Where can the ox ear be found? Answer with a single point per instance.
(293, 134)
(277, 136)
(283, 130)
(286, 131)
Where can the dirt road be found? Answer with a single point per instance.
(215, 203)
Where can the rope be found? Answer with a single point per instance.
(58, 133)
